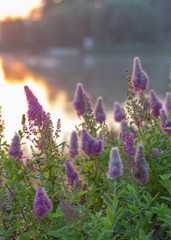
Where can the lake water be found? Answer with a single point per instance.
(53, 81)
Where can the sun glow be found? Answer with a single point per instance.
(17, 8)
(14, 104)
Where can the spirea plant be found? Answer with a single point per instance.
(99, 186)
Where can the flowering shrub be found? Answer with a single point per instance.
(98, 186)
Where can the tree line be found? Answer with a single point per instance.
(69, 22)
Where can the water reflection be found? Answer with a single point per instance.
(13, 77)
(100, 75)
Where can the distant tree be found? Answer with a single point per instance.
(47, 6)
(165, 7)
(128, 20)
(13, 33)
(69, 22)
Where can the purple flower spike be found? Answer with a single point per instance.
(115, 164)
(72, 175)
(118, 113)
(156, 105)
(124, 128)
(42, 204)
(99, 110)
(15, 148)
(46, 133)
(6, 205)
(141, 166)
(155, 151)
(129, 149)
(165, 123)
(88, 107)
(28, 165)
(69, 210)
(35, 110)
(145, 102)
(73, 151)
(97, 147)
(90, 146)
(79, 103)
(139, 78)
(168, 101)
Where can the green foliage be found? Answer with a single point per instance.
(102, 208)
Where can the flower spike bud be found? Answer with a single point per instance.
(73, 151)
(42, 204)
(26, 163)
(15, 148)
(129, 149)
(124, 128)
(99, 110)
(165, 124)
(139, 78)
(72, 175)
(141, 166)
(46, 133)
(79, 100)
(90, 146)
(168, 101)
(115, 164)
(69, 210)
(118, 113)
(155, 103)
(35, 110)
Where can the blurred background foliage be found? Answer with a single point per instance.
(67, 23)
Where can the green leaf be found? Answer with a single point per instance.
(82, 193)
(46, 174)
(11, 229)
(57, 214)
(58, 233)
(132, 190)
(40, 177)
(166, 198)
(133, 208)
(110, 216)
(108, 197)
(1, 229)
(61, 144)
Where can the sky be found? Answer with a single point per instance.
(16, 8)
